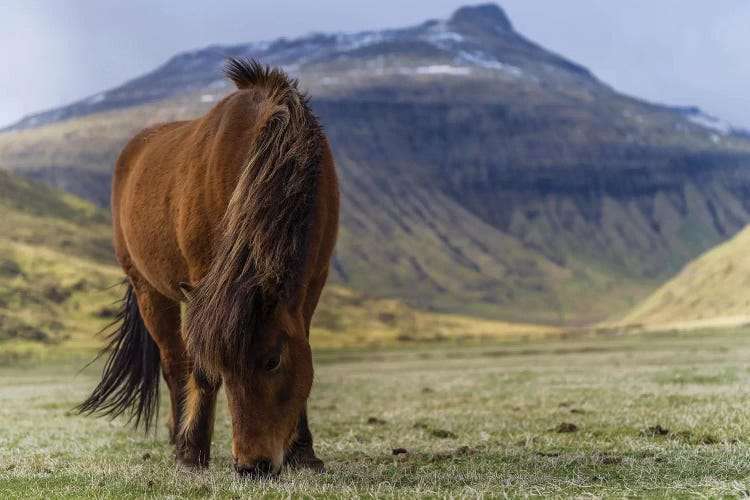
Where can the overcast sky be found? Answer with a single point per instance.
(671, 51)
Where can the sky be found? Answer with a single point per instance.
(679, 52)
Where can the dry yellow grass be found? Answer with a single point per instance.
(712, 290)
(348, 318)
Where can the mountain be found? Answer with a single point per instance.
(471, 39)
(480, 173)
(712, 290)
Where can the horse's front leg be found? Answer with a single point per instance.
(302, 454)
(162, 319)
(193, 436)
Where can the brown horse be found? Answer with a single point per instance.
(235, 213)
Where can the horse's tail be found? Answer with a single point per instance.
(130, 379)
(267, 224)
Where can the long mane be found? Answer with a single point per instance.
(266, 229)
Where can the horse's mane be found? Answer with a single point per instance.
(267, 225)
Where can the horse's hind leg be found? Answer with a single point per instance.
(161, 316)
(302, 453)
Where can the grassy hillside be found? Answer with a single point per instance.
(346, 318)
(56, 267)
(79, 156)
(713, 289)
(58, 286)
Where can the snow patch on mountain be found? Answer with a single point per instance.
(353, 41)
(442, 69)
(97, 98)
(483, 60)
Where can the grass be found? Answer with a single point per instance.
(657, 416)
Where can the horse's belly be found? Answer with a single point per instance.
(149, 231)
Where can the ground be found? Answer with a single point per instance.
(657, 415)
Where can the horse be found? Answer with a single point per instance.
(235, 215)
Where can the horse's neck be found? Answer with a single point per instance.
(221, 174)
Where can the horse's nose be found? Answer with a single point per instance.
(261, 467)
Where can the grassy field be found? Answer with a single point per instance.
(658, 416)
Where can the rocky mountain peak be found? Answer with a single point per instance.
(487, 17)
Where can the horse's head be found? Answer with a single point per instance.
(267, 396)
(262, 355)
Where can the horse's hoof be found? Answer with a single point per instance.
(192, 465)
(186, 463)
(314, 464)
(191, 461)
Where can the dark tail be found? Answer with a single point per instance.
(130, 379)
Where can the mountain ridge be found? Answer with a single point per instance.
(487, 15)
(483, 17)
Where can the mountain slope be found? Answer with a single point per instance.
(713, 289)
(480, 173)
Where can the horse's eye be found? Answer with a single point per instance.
(272, 363)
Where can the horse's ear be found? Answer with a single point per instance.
(187, 290)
